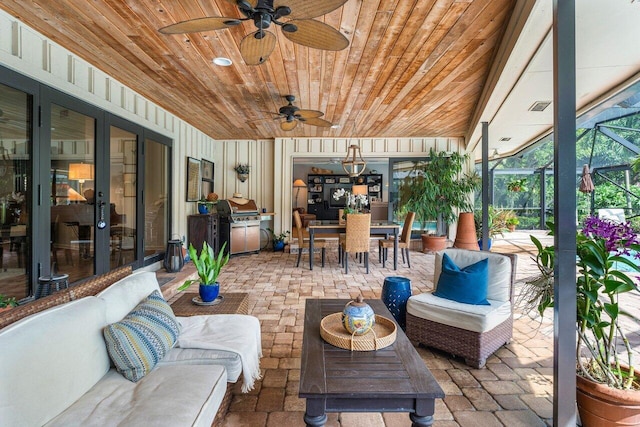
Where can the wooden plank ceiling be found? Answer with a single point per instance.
(413, 68)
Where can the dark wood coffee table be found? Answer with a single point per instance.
(232, 303)
(392, 379)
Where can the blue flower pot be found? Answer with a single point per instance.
(209, 292)
(203, 209)
(278, 246)
(488, 244)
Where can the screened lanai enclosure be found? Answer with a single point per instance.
(608, 142)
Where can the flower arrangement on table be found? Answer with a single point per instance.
(607, 251)
(354, 203)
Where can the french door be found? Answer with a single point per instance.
(73, 188)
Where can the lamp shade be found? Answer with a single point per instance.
(299, 183)
(359, 189)
(81, 171)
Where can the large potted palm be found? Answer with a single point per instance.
(608, 256)
(436, 190)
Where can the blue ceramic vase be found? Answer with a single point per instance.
(202, 209)
(209, 293)
(396, 291)
(278, 246)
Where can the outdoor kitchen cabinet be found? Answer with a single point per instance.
(203, 228)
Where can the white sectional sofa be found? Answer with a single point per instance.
(56, 370)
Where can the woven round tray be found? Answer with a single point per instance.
(382, 335)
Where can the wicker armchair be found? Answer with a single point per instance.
(356, 240)
(302, 244)
(473, 332)
(403, 244)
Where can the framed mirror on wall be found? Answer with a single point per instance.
(193, 179)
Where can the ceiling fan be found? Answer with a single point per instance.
(292, 115)
(256, 47)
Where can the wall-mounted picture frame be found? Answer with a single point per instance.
(207, 170)
(193, 179)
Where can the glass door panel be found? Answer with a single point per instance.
(72, 193)
(399, 169)
(123, 196)
(156, 178)
(15, 192)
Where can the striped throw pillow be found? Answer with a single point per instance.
(140, 340)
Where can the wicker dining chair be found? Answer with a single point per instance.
(403, 243)
(302, 244)
(357, 238)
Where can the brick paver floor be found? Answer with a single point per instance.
(515, 388)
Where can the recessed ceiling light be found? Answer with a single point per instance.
(539, 105)
(505, 139)
(223, 62)
(335, 126)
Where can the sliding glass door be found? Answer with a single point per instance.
(16, 191)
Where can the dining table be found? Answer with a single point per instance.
(388, 228)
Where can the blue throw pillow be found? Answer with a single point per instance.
(140, 340)
(467, 285)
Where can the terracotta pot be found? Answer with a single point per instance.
(432, 243)
(600, 405)
(511, 227)
(466, 233)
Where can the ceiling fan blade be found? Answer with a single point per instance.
(307, 114)
(287, 126)
(314, 121)
(255, 51)
(253, 3)
(317, 35)
(200, 24)
(305, 9)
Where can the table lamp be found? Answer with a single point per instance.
(298, 184)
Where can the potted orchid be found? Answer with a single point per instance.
(608, 255)
(354, 203)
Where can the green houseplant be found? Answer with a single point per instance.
(279, 240)
(606, 252)
(7, 303)
(208, 266)
(517, 185)
(496, 224)
(243, 171)
(437, 189)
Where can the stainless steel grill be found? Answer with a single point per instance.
(239, 226)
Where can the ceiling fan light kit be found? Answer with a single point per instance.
(256, 47)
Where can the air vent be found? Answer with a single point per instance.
(540, 106)
(505, 139)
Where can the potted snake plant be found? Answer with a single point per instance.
(208, 266)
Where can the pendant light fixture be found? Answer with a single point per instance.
(353, 164)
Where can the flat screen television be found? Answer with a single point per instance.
(340, 202)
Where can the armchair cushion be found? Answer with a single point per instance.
(466, 285)
(476, 318)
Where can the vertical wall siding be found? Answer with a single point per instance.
(30, 53)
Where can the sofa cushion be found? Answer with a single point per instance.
(197, 356)
(170, 396)
(140, 340)
(499, 271)
(49, 360)
(125, 294)
(466, 285)
(475, 318)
